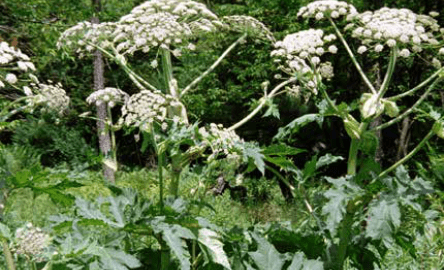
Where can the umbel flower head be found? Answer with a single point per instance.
(153, 24)
(51, 96)
(147, 107)
(390, 27)
(302, 53)
(31, 242)
(10, 59)
(327, 9)
(110, 96)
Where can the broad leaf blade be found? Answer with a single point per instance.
(214, 247)
(266, 257)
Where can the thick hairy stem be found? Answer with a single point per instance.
(176, 169)
(353, 151)
(160, 156)
(354, 60)
(261, 105)
(389, 72)
(419, 86)
(213, 66)
(165, 254)
(8, 255)
(410, 110)
(408, 156)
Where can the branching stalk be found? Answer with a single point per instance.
(403, 115)
(408, 156)
(353, 151)
(419, 86)
(389, 72)
(354, 60)
(262, 103)
(213, 66)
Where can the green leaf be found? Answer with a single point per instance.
(339, 195)
(299, 262)
(391, 108)
(112, 259)
(272, 110)
(281, 150)
(384, 218)
(5, 232)
(326, 160)
(252, 153)
(174, 235)
(214, 247)
(295, 125)
(266, 257)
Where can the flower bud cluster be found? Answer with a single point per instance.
(250, 25)
(32, 242)
(220, 139)
(326, 9)
(389, 27)
(146, 107)
(110, 96)
(49, 95)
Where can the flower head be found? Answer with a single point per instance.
(31, 241)
(327, 9)
(108, 95)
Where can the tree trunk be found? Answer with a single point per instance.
(103, 133)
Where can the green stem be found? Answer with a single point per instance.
(12, 113)
(109, 125)
(389, 72)
(419, 86)
(410, 110)
(8, 255)
(408, 156)
(167, 71)
(213, 66)
(262, 103)
(354, 60)
(165, 254)
(353, 151)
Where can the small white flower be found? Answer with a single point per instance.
(391, 43)
(441, 51)
(333, 49)
(11, 78)
(315, 60)
(319, 16)
(27, 90)
(335, 14)
(436, 63)
(404, 53)
(22, 65)
(378, 48)
(361, 49)
(433, 13)
(154, 63)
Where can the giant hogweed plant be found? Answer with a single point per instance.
(169, 28)
(363, 209)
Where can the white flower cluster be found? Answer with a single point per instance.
(49, 95)
(219, 139)
(250, 25)
(146, 107)
(12, 58)
(389, 27)
(144, 31)
(85, 35)
(151, 24)
(326, 9)
(31, 241)
(302, 51)
(110, 96)
(156, 23)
